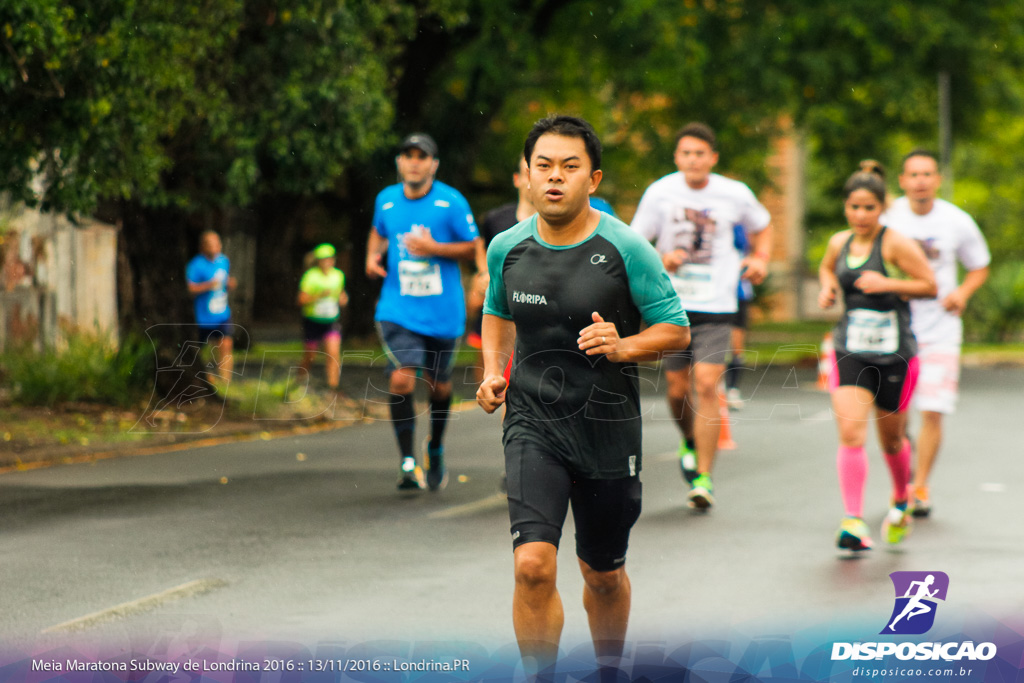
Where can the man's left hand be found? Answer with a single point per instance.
(421, 243)
(754, 268)
(955, 302)
(600, 337)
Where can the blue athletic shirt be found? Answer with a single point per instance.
(744, 290)
(211, 307)
(602, 205)
(423, 295)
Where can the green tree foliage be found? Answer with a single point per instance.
(848, 74)
(176, 116)
(90, 91)
(194, 103)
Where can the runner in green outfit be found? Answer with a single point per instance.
(322, 296)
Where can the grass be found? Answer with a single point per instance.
(789, 343)
(86, 369)
(283, 399)
(32, 427)
(356, 351)
(97, 418)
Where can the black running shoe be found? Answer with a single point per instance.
(437, 473)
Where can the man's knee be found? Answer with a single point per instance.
(535, 565)
(603, 583)
(706, 385)
(677, 385)
(403, 381)
(439, 390)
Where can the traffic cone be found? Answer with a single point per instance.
(725, 442)
(826, 362)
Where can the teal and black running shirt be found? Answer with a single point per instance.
(584, 408)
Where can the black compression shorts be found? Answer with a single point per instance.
(540, 490)
(891, 384)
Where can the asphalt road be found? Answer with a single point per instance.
(305, 539)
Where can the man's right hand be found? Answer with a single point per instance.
(491, 393)
(373, 267)
(673, 259)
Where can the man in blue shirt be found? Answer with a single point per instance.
(209, 282)
(426, 228)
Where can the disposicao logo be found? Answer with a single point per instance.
(916, 596)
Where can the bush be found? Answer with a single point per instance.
(88, 369)
(996, 312)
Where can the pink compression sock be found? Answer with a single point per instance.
(852, 464)
(899, 466)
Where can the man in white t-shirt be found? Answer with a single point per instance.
(948, 235)
(690, 215)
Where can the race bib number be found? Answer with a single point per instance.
(326, 308)
(218, 303)
(872, 331)
(694, 282)
(419, 278)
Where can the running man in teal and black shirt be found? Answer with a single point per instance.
(570, 288)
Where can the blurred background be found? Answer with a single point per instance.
(128, 128)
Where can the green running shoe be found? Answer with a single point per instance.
(700, 496)
(853, 534)
(896, 525)
(687, 462)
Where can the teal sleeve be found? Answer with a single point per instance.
(649, 285)
(496, 301)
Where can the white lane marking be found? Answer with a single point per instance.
(146, 604)
(495, 501)
(993, 488)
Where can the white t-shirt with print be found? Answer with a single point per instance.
(675, 216)
(947, 234)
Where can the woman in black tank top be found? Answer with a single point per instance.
(874, 350)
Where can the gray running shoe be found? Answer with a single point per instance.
(410, 477)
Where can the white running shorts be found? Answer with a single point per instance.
(938, 386)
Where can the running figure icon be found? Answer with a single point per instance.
(915, 605)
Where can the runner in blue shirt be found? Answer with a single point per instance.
(209, 281)
(425, 227)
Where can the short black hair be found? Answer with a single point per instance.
(701, 131)
(865, 180)
(919, 152)
(570, 127)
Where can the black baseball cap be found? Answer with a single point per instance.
(420, 141)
